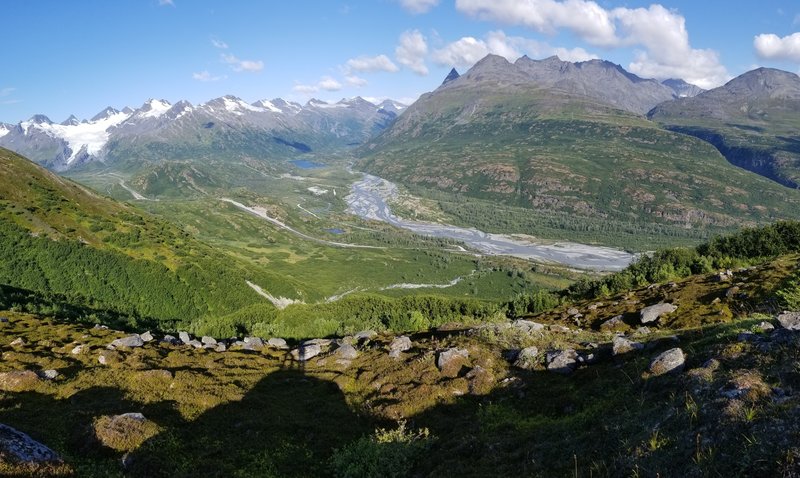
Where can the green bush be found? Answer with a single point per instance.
(385, 454)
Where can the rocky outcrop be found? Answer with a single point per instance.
(18, 447)
(670, 361)
(655, 312)
(562, 361)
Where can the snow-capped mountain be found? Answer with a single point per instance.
(179, 131)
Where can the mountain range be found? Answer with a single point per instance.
(186, 131)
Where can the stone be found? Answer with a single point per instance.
(594, 306)
(102, 359)
(18, 447)
(220, 347)
(731, 293)
(147, 336)
(306, 351)
(790, 320)
(562, 361)
(480, 380)
(450, 360)
(654, 312)
(559, 328)
(169, 339)
(766, 326)
(572, 311)
(324, 344)
(723, 276)
(613, 323)
(77, 349)
(643, 330)
(527, 325)
(670, 361)
(49, 374)
(19, 341)
(253, 343)
(184, 337)
(124, 432)
(365, 335)
(621, 345)
(277, 343)
(195, 343)
(398, 345)
(18, 380)
(129, 341)
(206, 340)
(346, 351)
(527, 358)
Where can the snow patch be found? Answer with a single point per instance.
(92, 135)
(279, 302)
(156, 108)
(4, 130)
(268, 105)
(236, 106)
(317, 191)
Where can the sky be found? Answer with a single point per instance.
(79, 56)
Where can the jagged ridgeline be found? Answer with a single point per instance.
(557, 139)
(59, 237)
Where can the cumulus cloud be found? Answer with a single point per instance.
(411, 51)
(372, 63)
(328, 83)
(206, 76)
(772, 47)
(353, 80)
(418, 6)
(466, 51)
(239, 65)
(659, 32)
(219, 44)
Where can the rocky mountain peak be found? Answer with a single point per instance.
(108, 111)
(766, 82)
(453, 75)
(71, 121)
(681, 88)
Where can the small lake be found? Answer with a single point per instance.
(306, 164)
(335, 230)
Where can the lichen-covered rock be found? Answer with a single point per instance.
(206, 340)
(670, 361)
(527, 325)
(399, 345)
(790, 320)
(147, 336)
(527, 358)
(18, 447)
(621, 345)
(306, 351)
(654, 312)
(365, 335)
(253, 343)
(346, 351)
(562, 361)
(184, 337)
(613, 323)
(129, 341)
(124, 432)
(450, 361)
(277, 343)
(18, 380)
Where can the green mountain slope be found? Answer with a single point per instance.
(753, 120)
(556, 152)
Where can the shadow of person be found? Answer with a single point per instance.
(287, 425)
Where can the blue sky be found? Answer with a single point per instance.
(77, 57)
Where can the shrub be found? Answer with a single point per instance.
(384, 454)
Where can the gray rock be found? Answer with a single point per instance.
(558, 328)
(277, 342)
(790, 320)
(766, 326)
(49, 374)
(19, 341)
(572, 311)
(306, 351)
(398, 345)
(527, 358)
(346, 351)
(613, 323)
(562, 361)
(527, 325)
(654, 312)
(621, 345)
(102, 359)
(184, 337)
(129, 341)
(77, 349)
(20, 448)
(324, 344)
(195, 343)
(365, 335)
(220, 347)
(450, 358)
(170, 339)
(147, 336)
(643, 330)
(253, 343)
(670, 361)
(206, 340)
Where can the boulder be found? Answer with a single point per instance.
(572, 311)
(19, 341)
(613, 323)
(766, 326)
(77, 349)
(17, 447)
(398, 345)
(790, 320)
(562, 361)
(621, 345)
(147, 336)
(18, 380)
(527, 358)
(206, 340)
(129, 341)
(365, 335)
(124, 432)
(169, 339)
(306, 351)
(480, 380)
(450, 361)
(220, 347)
(654, 312)
(277, 343)
(49, 374)
(527, 325)
(670, 361)
(253, 343)
(195, 343)
(559, 328)
(184, 337)
(346, 351)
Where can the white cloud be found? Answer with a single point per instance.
(418, 6)
(468, 50)
(219, 44)
(305, 89)
(329, 84)
(666, 51)
(772, 47)
(353, 80)
(372, 63)
(411, 51)
(6, 91)
(242, 65)
(206, 76)
(162, 3)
